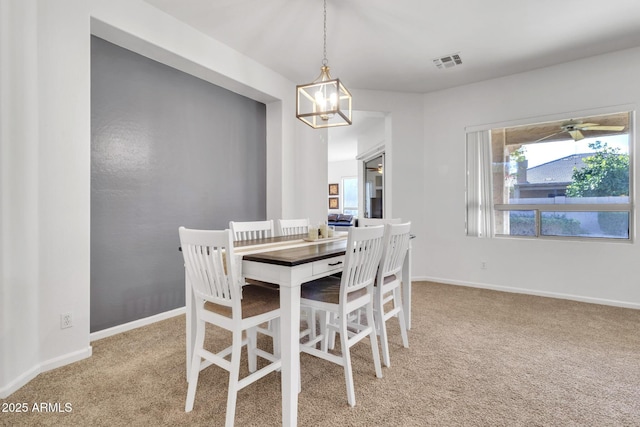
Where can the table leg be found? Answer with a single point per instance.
(290, 352)
(406, 287)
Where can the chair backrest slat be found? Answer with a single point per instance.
(289, 227)
(251, 230)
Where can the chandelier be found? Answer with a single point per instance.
(325, 102)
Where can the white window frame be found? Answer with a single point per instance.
(477, 187)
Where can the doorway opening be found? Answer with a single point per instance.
(349, 149)
(374, 187)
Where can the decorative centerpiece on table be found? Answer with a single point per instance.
(321, 231)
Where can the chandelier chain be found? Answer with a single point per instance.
(325, 61)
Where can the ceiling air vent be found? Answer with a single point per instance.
(448, 61)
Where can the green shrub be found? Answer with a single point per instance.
(560, 225)
(552, 225)
(614, 223)
(522, 225)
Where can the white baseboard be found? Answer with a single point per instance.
(535, 292)
(23, 379)
(45, 366)
(135, 324)
(66, 359)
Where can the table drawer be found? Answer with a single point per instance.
(326, 265)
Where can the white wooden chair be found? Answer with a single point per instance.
(249, 230)
(341, 296)
(388, 284)
(367, 222)
(288, 227)
(222, 301)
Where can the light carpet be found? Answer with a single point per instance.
(476, 358)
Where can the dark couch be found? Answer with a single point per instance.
(340, 220)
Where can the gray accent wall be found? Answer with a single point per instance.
(167, 149)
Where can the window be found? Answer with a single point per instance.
(350, 196)
(568, 178)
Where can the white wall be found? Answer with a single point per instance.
(341, 169)
(404, 156)
(19, 340)
(590, 271)
(308, 158)
(45, 252)
(373, 138)
(45, 149)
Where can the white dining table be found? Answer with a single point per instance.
(290, 261)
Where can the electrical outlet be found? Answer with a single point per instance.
(483, 265)
(66, 320)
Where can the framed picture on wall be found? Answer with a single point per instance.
(334, 203)
(334, 189)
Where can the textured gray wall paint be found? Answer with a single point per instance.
(167, 149)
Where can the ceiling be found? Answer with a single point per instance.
(391, 45)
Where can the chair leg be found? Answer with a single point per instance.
(276, 338)
(195, 367)
(332, 334)
(311, 322)
(382, 329)
(346, 360)
(403, 323)
(234, 376)
(310, 319)
(299, 374)
(252, 344)
(374, 340)
(275, 328)
(324, 319)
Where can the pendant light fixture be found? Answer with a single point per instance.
(325, 102)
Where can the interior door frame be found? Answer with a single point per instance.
(362, 172)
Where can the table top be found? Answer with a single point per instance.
(292, 256)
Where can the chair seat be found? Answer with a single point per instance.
(256, 300)
(327, 290)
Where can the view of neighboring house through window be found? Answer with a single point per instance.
(350, 196)
(563, 179)
(567, 178)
